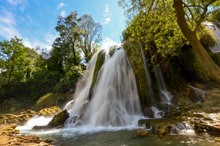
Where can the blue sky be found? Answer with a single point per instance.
(34, 21)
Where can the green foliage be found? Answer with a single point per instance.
(215, 17)
(216, 58)
(154, 24)
(17, 61)
(46, 100)
(9, 105)
(69, 80)
(157, 30)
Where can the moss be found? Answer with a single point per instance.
(100, 61)
(59, 119)
(192, 67)
(47, 100)
(208, 40)
(133, 51)
(216, 58)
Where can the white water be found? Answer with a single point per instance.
(166, 97)
(81, 94)
(216, 32)
(35, 121)
(157, 113)
(115, 100)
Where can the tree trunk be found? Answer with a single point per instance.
(209, 65)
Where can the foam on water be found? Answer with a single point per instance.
(35, 121)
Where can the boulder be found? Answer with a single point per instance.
(51, 111)
(59, 119)
(207, 128)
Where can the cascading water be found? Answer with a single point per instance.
(216, 32)
(76, 106)
(115, 100)
(165, 95)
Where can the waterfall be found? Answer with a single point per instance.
(165, 95)
(114, 100)
(75, 106)
(147, 72)
(216, 32)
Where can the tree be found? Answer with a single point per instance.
(189, 17)
(17, 62)
(66, 43)
(90, 36)
(191, 35)
(77, 42)
(156, 30)
(76, 35)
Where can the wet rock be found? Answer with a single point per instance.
(217, 139)
(18, 119)
(162, 127)
(59, 119)
(48, 112)
(205, 128)
(142, 133)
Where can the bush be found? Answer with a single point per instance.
(47, 100)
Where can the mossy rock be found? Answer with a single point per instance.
(47, 100)
(161, 127)
(133, 52)
(99, 62)
(207, 128)
(59, 119)
(142, 133)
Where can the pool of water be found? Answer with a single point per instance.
(117, 137)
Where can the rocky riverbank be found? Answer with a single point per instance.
(10, 136)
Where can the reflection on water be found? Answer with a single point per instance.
(125, 138)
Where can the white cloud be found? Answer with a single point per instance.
(8, 25)
(107, 15)
(106, 8)
(15, 2)
(36, 43)
(108, 42)
(63, 13)
(49, 38)
(107, 20)
(60, 5)
(9, 30)
(46, 44)
(7, 18)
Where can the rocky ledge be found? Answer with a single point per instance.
(10, 136)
